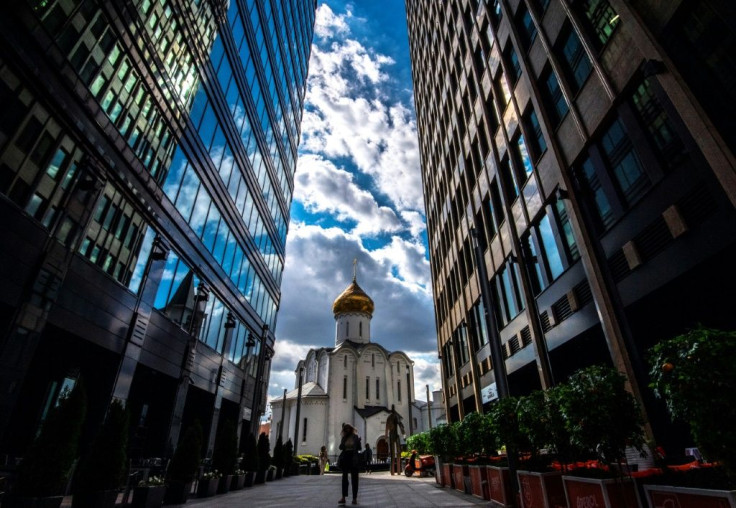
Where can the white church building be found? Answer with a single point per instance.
(356, 381)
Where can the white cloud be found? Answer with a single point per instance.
(328, 24)
(322, 187)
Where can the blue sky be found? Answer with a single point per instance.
(358, 194)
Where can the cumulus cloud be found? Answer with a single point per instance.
(322, 187)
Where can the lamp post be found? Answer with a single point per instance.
(429, 409)
(298, 408)
(408, 400)
(283, 411)
(255, 413)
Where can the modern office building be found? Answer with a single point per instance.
(589, 144)
(147, 154)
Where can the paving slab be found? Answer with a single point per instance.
(377, 489)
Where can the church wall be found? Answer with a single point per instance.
(315, 412)
(341, 409)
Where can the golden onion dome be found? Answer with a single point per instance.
(353, 299)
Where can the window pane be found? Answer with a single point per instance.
(554, 261)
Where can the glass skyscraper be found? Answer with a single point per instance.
(147, 155)
(583, 153)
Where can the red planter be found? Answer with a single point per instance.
(459, 472)
(661, 496)
(447, 475)
(541, 490)
(603, 493)
(499, 485)
(477, 481)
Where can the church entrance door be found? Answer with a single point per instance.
(382, 449)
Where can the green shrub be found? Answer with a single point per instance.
(278, 453)
(263, 448)
(46, 465)
(444, 442)
(105, 465)
(419, 442)
(225, 454)
(250, 454)
(184, 464)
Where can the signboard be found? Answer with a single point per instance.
(489, 393)
(246, 413)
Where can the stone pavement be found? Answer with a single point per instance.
(313, 491)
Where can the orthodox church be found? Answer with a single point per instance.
(356, 381)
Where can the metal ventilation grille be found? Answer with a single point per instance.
(619, 266)
(505, 350)
(526, 336)
(697, 206)
(653, 239)
(583, 294)
(561, 309)
(544, 318)
(514, 345)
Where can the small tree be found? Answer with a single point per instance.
(443, 439)
(225, 454)
(264, 458)
(474, 436)
(694, 373)
(560, 440)
(534, 423)
(602, 417)
(288, 455)
(250, 454)
(104, 466)
(184, 464)
(419, 442)
(278, 454)
(45, 468)
(504, 420)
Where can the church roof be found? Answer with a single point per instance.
(310, 389)
(368, 411)
(353, 299)
(358, 347)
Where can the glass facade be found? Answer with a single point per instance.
(161, 132)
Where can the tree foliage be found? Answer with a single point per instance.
(225, 454)
(105, 465)
(46, 465)
(264, 446)
(695, 373)
(250, 454)
(186, 459)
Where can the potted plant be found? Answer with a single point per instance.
(278, 458)
(471, 437)
(149, 493)
(208, 483)
(536, 488)
(264, 458)
(238, 481)
(101, 472)
(250, 459)
(44, 471)
(443, 439)
(183, 466)
(694, 374)
(225, 454)
(602, 418)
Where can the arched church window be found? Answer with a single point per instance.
(345, 387)
(347, 329)
(373, 360)
(360, 329)
(345, 361)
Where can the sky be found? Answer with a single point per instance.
(358, 195)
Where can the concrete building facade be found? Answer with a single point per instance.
(589, 145)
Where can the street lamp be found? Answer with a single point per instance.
(298, 408)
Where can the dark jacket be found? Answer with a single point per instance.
(349, 458)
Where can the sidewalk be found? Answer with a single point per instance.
(307, 491)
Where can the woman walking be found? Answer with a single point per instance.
(349, 461)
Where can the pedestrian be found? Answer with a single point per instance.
(368, 454)
(322, 459)
(348, 462)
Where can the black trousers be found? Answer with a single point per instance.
(353, 481)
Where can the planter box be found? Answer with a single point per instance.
(250, 478)
(478, 480)
(238, 482)
(541, 490)
(604, 493)
(177, 493)
(260, 477)
(279, 473)
(683, 497)
(499, 486)
(225, 482)
(270, 475)
(438, 470)
(95, 499)
(207, 488)
(148, 497)
(447, 475)
(460, 473)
